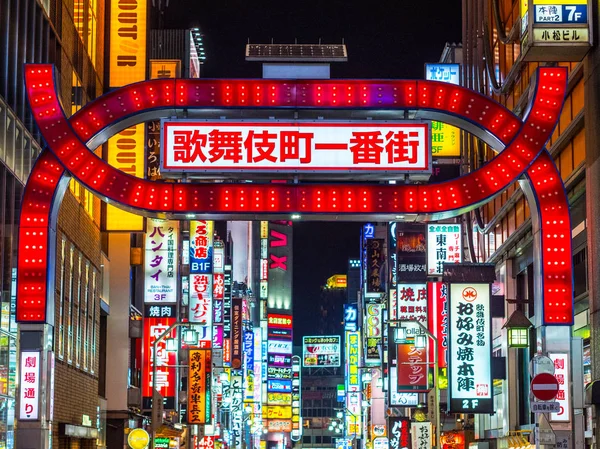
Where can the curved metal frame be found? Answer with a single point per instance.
(522, 154)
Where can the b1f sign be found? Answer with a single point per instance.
(305, 147)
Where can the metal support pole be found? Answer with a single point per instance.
(436, 387)
(154, 349)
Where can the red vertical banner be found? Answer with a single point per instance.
(437, 297)
(199, 388)
(165, 370)
(236, 333)
(412, 368)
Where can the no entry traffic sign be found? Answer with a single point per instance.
(544, 386)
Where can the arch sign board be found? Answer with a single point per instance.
(70, 141)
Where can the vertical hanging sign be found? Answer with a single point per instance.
(445, 246)
(411, 252)
(29, 386)
(373, 333)
(201, 279)
(470, 349)
(160, 266)
(199, 388)
(561, 372)
(438, 318)
(236, 333)
(412, 368)
(399, 433)
(376, 281)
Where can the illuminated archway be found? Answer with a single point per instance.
(522, 144)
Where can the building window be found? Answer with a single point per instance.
(93, 324)
(580, 281)
(69, 308)
(61, 300)
(306, 439)
(85, 315)
(77, 312)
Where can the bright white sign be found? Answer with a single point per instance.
(412, 303)
(447, 73)
(400, 399)
(292, 147)
(561, 372)
(323, 351)
(421, 435)
(279, 347)
(201, 304)
(160, 265)
(29, 386)
(470, 352)
(444, 245)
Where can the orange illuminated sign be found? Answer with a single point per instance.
(199, 405)
(127, 42)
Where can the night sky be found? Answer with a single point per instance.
(385, 39)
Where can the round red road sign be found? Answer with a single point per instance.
(544, 386)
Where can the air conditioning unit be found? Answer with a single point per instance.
(134, 397)
(135, 329)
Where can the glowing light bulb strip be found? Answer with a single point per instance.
(65, 142)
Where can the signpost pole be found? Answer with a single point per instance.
(155, 392)
(424, 330)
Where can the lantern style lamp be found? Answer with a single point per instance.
(420, 341)
(399, 334)
(518, 330)
(190, 336)
(171, 344)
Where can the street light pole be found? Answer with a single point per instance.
(155, 393)
(436, 387)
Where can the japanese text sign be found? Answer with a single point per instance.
(199, 389)
(165, 360)
(561, 372)
(470, 349)
(321, 351)
(446, 73)
(445, 138)
(412, 368)
(352, 361)
(373, 333)
(350, 317)
(160, 266)
(376, 273)
(412, 302)
(444, 246)
(399, 433)
(236, 333)
(402, 399)
(411, 252)
(200, 307)
(421, 435)
(29, 385)
(438, 318)
(201, 246)
(292, 147)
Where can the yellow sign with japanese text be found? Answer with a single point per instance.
(126, 153)
(445, 140)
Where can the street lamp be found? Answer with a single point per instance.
(518, 330)
(421, 342)
(187, 338)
